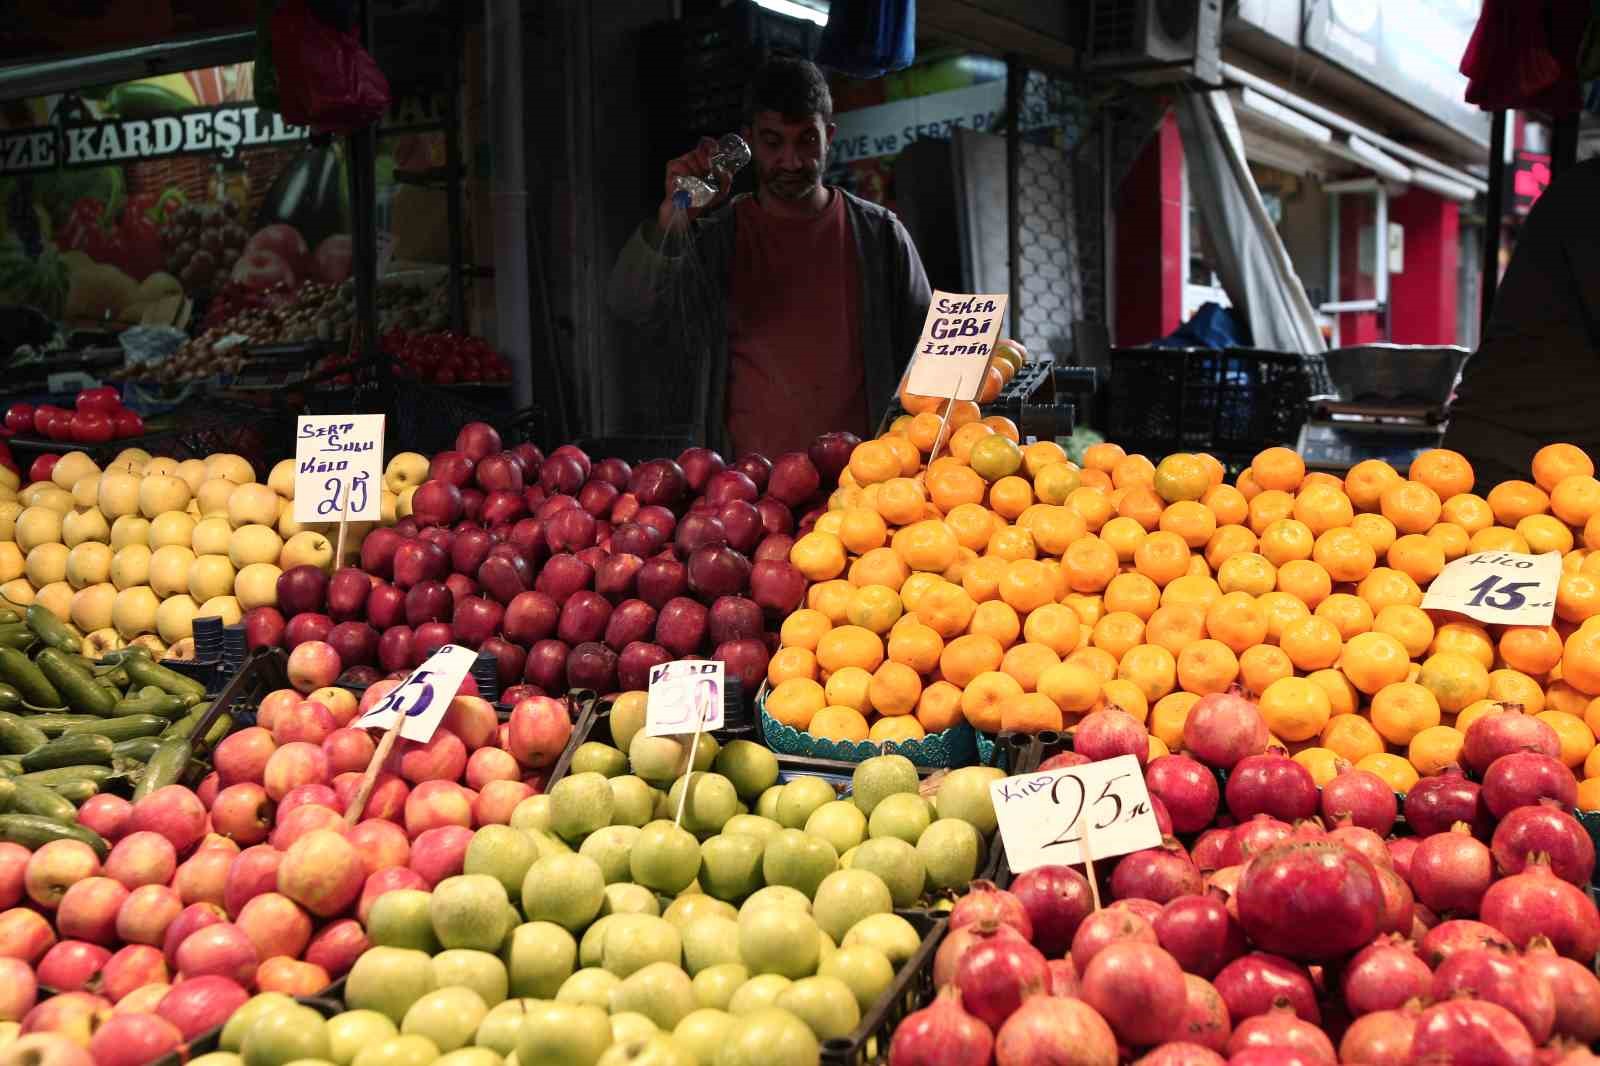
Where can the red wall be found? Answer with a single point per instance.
(1423, 297)
(1149, 290)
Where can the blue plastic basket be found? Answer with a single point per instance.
(958, 746)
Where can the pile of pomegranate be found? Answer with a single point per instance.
(1298, 926)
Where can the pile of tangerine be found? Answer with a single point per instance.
(1004, 586)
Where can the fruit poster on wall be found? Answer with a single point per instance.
(133, 203)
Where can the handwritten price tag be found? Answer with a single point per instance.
(1504, 588)
(1043, 816)
(422, 698)
(336, 456)
(685, 697)
(958, 337)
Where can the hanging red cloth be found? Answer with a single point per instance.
(326, 80)
(1524, 54)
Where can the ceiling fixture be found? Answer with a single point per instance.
(796, 10)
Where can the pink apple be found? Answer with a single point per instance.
(497, 801)
(220, 949)
(242, 813)
(175, 813)
(388, 879)
(388, 798)
(25, 935)
(71, 965)
(439, 853)
(145, 915)
(337, 947)
(243, 756)
(435, 804)
(132, 967)
(18, 989)
(197, 1004)
(89, 910)
(381, 843)
(56, 867)
(491, 764)
(472, 719)
(133, 1040)
(322, 871)
(347, 749)
(442, 758)
(540, 730)
(69, 1017)
(206, 791)
(203, 875)
(293, 765)
(313, 665)
(13, 863)
(104, 813)
(275, 924)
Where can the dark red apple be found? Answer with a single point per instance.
(756, 467)
(428, 601)
(442, 536)
(596, 497)
(731, 485)
(547, 666)
(616, 577)
(531, 617)
(460, 585)
(657, 518)
(302, 589)
(660, 482)
(356, 643)
(552, 504)
(681, 626)
(583, 617)
(386, 606)
(431, 636)
(436, 503)
(718, 571)
(419, 560)
(635, 662)
(698, 531)
(501, 508)
(478, 440)
(775, 517)
(778, 586)
(377, 552)
(699, 465)
(407, 527)
(472, 499)
(397, 648)
(774, 546)
(527, 536)
(476, 619)
(263, 628)
(631, 538)
(794, 479)
(563, 575)
(453, 467)
(532, 458)
(612, 471)
(830, 454)
(660, 579)
(504, 574)
(746, 659)
(501, 472)
(742, 523)
(517, 693)
(562, 474)
(592, 666)
(733, 618)
(509, 659)
(632, 620)
(311, 625)
(577, 454)
(469, 549)
(570, 529)
(348, 592)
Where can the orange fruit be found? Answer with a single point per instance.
(1577, 739)
(1351, 737)
(1125, 696)
(1103, 456)
(1010, 496)
(874, 607)
(1026, 585)
(1237, 621)
(1295, 708)
(848, 688)
(972, 524)
(819, 556)
(993, 382)
(1278, 468)
(1026, 662)
(1534, 650)
(873, 461)
(1151, 667)
(1575, 499)
(791, 662)
(953, 485)
(1512, 501)
(1323, 507)
(1416, 556)
(962, 412)
(1268, 507)
(994, 457)
(1514, 686)
(1090, 564)
(1554, 462)
(1162, 557)
(965, 657)
(900, 501)
(849, 645)
(1545, 533)
(1116, 632)
(1055, 482)
(1402, 710)
(1435, 748)
(839, 723)
(1412, 506)
(1385, 587)
(1342, 695)
(1055, 528)
(1408, 624)
(1133, 470)
(996, 619)
(1376, 530)
(1580, 661)
(1366, 482)
(929, 545)
(1468, 511)
(1003, 427)
(1131, 591)
(880, 566)
(861, 529)
(1093, 505)
(982, 579)
(939, 708)
(803, 629)
(896, 730)
(1350, 615)
(1247, 572)
(1141, 504)
(1373, 661)
(983, 697)
(1175, 626)
(1344, 555)
(1182, 477)
(1446, 472)
(1207, 666)
(1030, 713)
(1455, 680)
(1577, 597)
(915, 645)
(1464, 638)
(895, 689)
(1190, 520)
(1043, 453)
(1311, 643)
(1011, 543)
(795, 702)
(1195, 587)
(1451, 538)
(1394, 770)
(1281, 608)
(1285, 540)
(829, 598)
(1305, 580)
(1072, 687)
(1227, 503)
(1054, 625)
(924, 430)
(1227, 542)
(1497, 538)
(963, 440)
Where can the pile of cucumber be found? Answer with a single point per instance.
(71, 727)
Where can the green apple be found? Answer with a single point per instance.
(799, 860)
(592, 757)
(538, 958)
(469, 911)
(448, 1016)
(610, 847)
(840, 823)
(712, 801)
(685, 909)
(751, 767)
(658, 1050)
(590, 985)
(730, 866)
(758, 992)
(399, 1051)
(903, 814)
(767, 802)
(503, 853)
(702, 1031)
(629, 899)
(532, 813)
(500, 1027)
(388, 980)
(897, 863)
(951, 850)
(634, 941)
(353, 1030)
(778, 940)
(470, 1056)
(891, 934)
(964, 794)
(847, 896)
(769, 1037)
(564, 1034)
(565, 889)
(751, 825)
(777, 896)
(714, 987)
(880, 776)
(710, 941)
(826, 1004)
(661, 992)
(799, 798)
(659, 760)
(232, 1037)
(665, 858)
(579, 805)
(631, 1026)
(480, 971)
(633, 802)
(279, 1037)
(865, 970)
(402, 918)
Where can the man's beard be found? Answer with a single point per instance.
(792, 184)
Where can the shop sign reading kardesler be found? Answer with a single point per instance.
(221, 130)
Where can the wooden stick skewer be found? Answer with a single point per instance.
(1088, 860)
(344, 526)
(358, 804)
(944, 424)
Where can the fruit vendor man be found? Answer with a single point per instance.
(795, 308)
(1535, 377)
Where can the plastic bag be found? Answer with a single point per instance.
(869, 38)
(326, 80)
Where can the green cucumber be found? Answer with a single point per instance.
(50, 629)
(165, 767)
(53, 725)
(43, 801)
(62, 774)
(126, 727)
(157, 703)
(10, 766)
(33, 832)
(76, 684)
(18, 671)
(77, 750)
(19, 637)
(18, 736)
(139, 749)
(10, 699)
(77, 792)
(145, 672)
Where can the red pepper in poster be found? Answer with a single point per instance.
(141, 245)
(81, 226)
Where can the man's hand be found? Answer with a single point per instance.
(695, 164)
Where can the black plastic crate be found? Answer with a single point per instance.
(911, 990)
(1202, 399)
(426, 418)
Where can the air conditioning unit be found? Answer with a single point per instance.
(1156, 42)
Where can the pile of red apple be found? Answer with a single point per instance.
(253, 881)
(573, 572)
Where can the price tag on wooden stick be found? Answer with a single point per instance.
(685, 697)
(1501, 588)
(338, 468)
(958, 337)
(418, 704)
(1044, 817)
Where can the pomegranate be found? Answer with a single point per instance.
(1470, 1030)
(1361, 796)
(1399, 905)
(1199, 932)
(1047, 1030)
(1138, 989)
(1271, 783)
(1362, 841)
(1148, 909)
(986, 904)
(1163, 819)
(1205, 1015)
(1187, 789)
(1537, 902)
(1056, 900)
(1209, 849)
(1159, 874)
(1312, 901)
(1251, 983)
(1276, 1056)
(1182, 1054)
(1577, 990)
(957, 942)
(1385, 975)
(1499, 977)
(1225, 882)
(1544, 827)
(941, 1034)
(994, 977)
(1280, 1027)
(1461, 934)
(1451, 871)
(1382, 1038)
(1523, 778)
(1504, 732)
(1107, 927)
(1256, 835)
(1401, 850)
(1110, 732)
(1436, 803)
(1222, 728)
(1063, 979)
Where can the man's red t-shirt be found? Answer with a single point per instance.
(794, 338)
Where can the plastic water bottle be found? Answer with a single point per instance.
(731, 156)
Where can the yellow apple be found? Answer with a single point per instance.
(18, 591)
(282, 479)
(181, 649)
(89, 564)
(91, 606)
(10, 479)
(307, 548)
(161, 466)
(56, 598)
(130, 529)
(405, 470)
(169, 570)
(6, 491)
(252, 504)
(46, 563)
(96, 644)
(210, 575)
(126, 466)
(233, 467)
(171, 527)
(214, 494)
(9, 510)
(403, 505)
(131, 566)
(175, 618)
(223, 607)
(211, 536)
(193, 473)
(133, 455)
(70, 467)
(86, 493)
(45, 494)
(117, 494)
(134, 612)
(81, 526)
(12, 562)
(388, 503)
(162, 493)
(36, 526)
(155, 645)
(288, 525)
(341, 701)
(256, 585)
(254, 544)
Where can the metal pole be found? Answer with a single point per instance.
(1108, 226)
(1015, 72)
(1492, 217)
(455, 176)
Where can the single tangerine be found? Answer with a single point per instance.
(1281, 608)
(789, 663)
(964, 439)
(1469, 511)
(1323, 507)
(1055, 528)
(1534, 650)
(1545, 533)
(1394, 770)
(1455, 680)
(1030, 712)
(1228, 504)
(1514, 686)
(946, 609)
(1197, 587)
(1350, 615)
(1133, 470)
(1090, 564)
(1344, 555)
(895, 689)
(861, 529)
(1497, 538)
(1402, 710)
(1576, 738)
(983, 697)
(1554, 462)
(1366, 482)
(1295, 709)
(1247, 572)
(1010, 497)
(996, 619)
(1512, 501)
(1003, 427)
(1343, 697)
(1575, 499)
(965, 657)
(1386, 586)
(1131, 591)
(1151, 667)
(1182, 476)
(1451, 538)
(1408, 624)
(830, 598)
(1463, 637)
(1116, 632)
(1416, 556)
(929, 545)
(1311, 643)
(1351, 737)
(803, 629)
(1072, 687)
(1229, 541)
(873, 461)
(1580, 661)
(1435, 748)
(1055, 481)
(1306, 581)
(1287, 539)
(1162, 557)
(796, 701)
(900, 501)
(880, 566)
(1207, 666)
(1267, 507)
(1125, 696)
(1011, 543)
(899, 730)
(1026, 662)
(1098, 660)
(1376, 530)
(838, 722)
(874, 607)
(1446, 472)
(916, 645)
(1278, 468)
(1043, 453)
(939, 707)
(982, 579)
(1141, 504)
(1093, 505)
(1373, 661)
(1237, 621)
(1175, 626)
(1190, 520)
(1103, 456)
